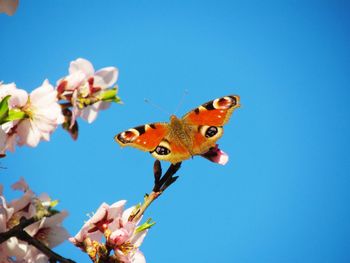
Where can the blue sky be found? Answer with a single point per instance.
(283, 196)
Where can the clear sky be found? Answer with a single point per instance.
(284, 195)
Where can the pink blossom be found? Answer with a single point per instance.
(23, 206)
(49, 230)
(99, 222)
(44, 115)
(126, 240)
(216, 155)
(123, 238)
(83, 87)
(18, 99)
(11, 247)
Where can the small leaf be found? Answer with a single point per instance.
(4, 108)
(15, 114)
(110, 95)
(148, 224)
(54, 203)
(117, 100)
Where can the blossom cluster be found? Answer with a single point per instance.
(47, 229)
(121, 235)
(26, 119)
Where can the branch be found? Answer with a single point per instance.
(160, 184)
(19, 232)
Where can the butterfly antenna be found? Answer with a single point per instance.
(156, 106)
(184, 94)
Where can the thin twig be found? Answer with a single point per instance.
(160, 184)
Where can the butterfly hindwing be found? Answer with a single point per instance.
(205, 138)
(170, 149)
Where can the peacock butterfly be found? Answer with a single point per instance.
(194, 134)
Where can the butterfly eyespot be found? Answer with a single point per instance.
(223, 103)
(161, 150)
(211, 131)
(128, 136)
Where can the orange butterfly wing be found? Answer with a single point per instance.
(213, 113)
(207, 120)
(145, 137)
(155, 138)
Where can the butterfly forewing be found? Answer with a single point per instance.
(145, 137)
(213, 113)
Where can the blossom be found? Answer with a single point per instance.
(41, 115)
(126, 239)
(216, 155)
(44, 113)
(18, 96)
(83, 87)
(98, 223)
(48, 229)
(18, 99)
(50, 232)
(122, 236)
(11, 247)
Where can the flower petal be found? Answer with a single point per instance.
(28, 133)
(56, 236)
(20, 185)
(19, 98)
(138, 238)
(138, 257)
(116, 210)
(23, 201)
(109, 75)
(89, 113)
(216, 155)
(43, 96)
(82, 65)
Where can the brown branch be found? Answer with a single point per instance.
(13, 231)
(160, 184)
(19, 232)
(53, 257)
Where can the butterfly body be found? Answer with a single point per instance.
(180, 139)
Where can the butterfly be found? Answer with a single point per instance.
(180, 139)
